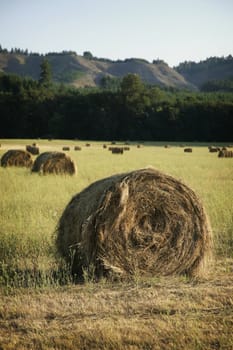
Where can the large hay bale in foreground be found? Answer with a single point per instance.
(142, 221)
(16, 157)
(54, 163)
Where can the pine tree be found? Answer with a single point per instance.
(45, 73)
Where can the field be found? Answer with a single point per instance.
(40, 307)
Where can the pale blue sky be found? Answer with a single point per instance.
(172, 30)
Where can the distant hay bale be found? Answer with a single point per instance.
(126, 148)
(225, 154)
(66, 148)
(104, 146)
(16, 157)
(54, 163)
(139, 146)
(213, 149)
(117, 150)
(188, 150)
(32, 149)
(77, 148)
(88, 145)
(167, 146)
(143, 221)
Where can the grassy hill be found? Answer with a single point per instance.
(80, 71)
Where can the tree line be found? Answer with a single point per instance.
(118, 110)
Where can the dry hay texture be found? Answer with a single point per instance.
(54, 163)
(15, 157)
(143, 222)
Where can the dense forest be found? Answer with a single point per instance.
(121, 109)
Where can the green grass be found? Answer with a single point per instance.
(156, 313)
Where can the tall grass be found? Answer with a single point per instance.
(32, 204)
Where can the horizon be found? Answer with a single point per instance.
(150, 30)
(105, 58)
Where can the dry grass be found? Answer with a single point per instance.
(165, 313)
(149, 313)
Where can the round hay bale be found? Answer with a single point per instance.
(142, 221)
(225, 154)
(188, 150)
(213, 149)
(54, 163)
(17, 157)
(77, 148)
(66, 148)
(32, 149)
(117, 150)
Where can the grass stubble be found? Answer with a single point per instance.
(40, 307)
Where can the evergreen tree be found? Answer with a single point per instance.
(45, 73)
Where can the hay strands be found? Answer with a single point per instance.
(143, 221)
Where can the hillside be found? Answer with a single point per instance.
(87, 70)
(80, 71)
(211, 69)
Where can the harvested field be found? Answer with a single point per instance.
(41, 307)
(155, 314)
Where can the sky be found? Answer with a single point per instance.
(172, 30)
